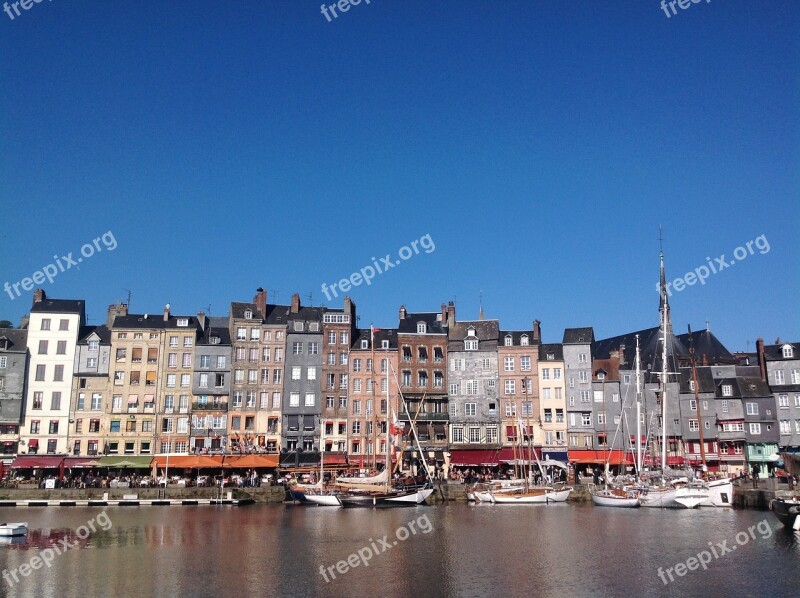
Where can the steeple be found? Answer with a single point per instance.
(663, 305)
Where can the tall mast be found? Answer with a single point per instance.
(665, 325)
(388, 467)
(638, 410)
(697, 401)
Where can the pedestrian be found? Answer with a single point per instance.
(756, 472)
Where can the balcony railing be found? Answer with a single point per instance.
(209, 406)
(426, 417)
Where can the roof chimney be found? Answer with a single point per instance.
(451, 313)
(261, 301)
(349, 307)
(24, 321)
(295, 303)
(201, 319)
(403, 312)
(762, 360)
(537, 331)
(39, 296)
(114, 310)
(443, 317)
(166, 312)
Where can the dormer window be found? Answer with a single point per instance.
(509, 340)
(471, 331)
(4, 342)
(523, 340)
(727, 390)
(471, 344)
(691, 385)
(298, 326)
(248, 314)
(788, 351)
(364, 343)
(214, 339)
(601, 375)
(183, 322)
(421, 328)
(94, 346)
(551, 357)
(384, 344)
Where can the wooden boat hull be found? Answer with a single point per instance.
(531, 497)
(787, 512)
(602, 499)
(402, 498)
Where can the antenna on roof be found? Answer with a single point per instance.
(708, 326)
(129, 299)
(208, 310)
(274, 295)
(310, 299)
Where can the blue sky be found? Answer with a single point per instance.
(540, 145)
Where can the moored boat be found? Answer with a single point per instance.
(9, 530)
(531, 496)
(787, 510)
(615, 497)
(692, 495)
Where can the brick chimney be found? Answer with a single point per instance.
(349, 307)
(295, 303)
(166, 312)
(114, 310)
(443, 315)
(537, 332)
(762, 359)
(261, 301)
(403, 312)
(39, 296)
(451, 313)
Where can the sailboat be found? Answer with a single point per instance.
(527, 493)
(318, 495)
(377, 491)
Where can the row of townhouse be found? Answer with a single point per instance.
(297, 380)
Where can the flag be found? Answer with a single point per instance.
(396, 427)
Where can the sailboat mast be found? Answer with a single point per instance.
(388, 408)
(664, 317)
(697, 402)
(638, 410)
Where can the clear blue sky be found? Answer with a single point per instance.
(231, 145)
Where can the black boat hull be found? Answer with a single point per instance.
(786, 511)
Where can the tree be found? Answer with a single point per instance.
(6, 324)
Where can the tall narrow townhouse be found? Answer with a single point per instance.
(338, 332)
(303, 385)
(519, 391)
(699, 418)
(245, 406)
(608, 422)
(553, 401)
(91, 390)
(473, 394)
(780, 367)
(211, 380)
(577, 347)
(13, 373)
(54, 328)
(373, 363)
(273, 358)
(422, 347)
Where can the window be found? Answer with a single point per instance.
(752, 408)
(297, 348)
(294, 399)
(583, 377)
(525, 363)
(727, 390)
(115, 425)
(474, 434)
(598, 396)
(35, 426)
(471, 344)
(510, 387)
(343, 358)
(755, 429)
(511, 409)
(310, 399)
(3, 362)
(508, 341)
(601, 419)
(344, 338)
(508, 364)
(783, 401)
(187, 378)
(470, 408)
(457, 365)
(586, 419)
(40, 372)
(356, 365)
(53, 427)
(276, 400)
(795, 375)
(786, 427)
(582, 358)
(724, 406)
(571, 382)
(45, 324)
(692, 405)
(626, 379)
(693, 425)
(55, 401)
(788, 351)
(471, 387)
(585, 396)
(545, 373)
(296, 372)
(343, 381)
(421, 328)
(276, 375)
(546, 394)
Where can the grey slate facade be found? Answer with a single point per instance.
(781, 365)
(13, 372)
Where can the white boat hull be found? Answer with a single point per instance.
(691, 498)
(605, 500)
(417, 497)
(720, 494)
(530, 499)
(483, 496)
(324, 500)
(661, 499)
(9, 530)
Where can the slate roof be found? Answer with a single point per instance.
(238, 308)
(574, 336)
(154, 321)
(101, 331)
(486, 331)
(381, 334)
(516, 335)
(18, 338)
(408, 325)
(60, 306)
(775, 352)
(221, 331)
(556, 348)
(705, 380)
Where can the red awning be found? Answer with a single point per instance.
(483, 457)
(187, 461)
(335, 459)
(34, 461)
(250, 461)
(615, 457)
(34, 442)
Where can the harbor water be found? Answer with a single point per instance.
(452, 550)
